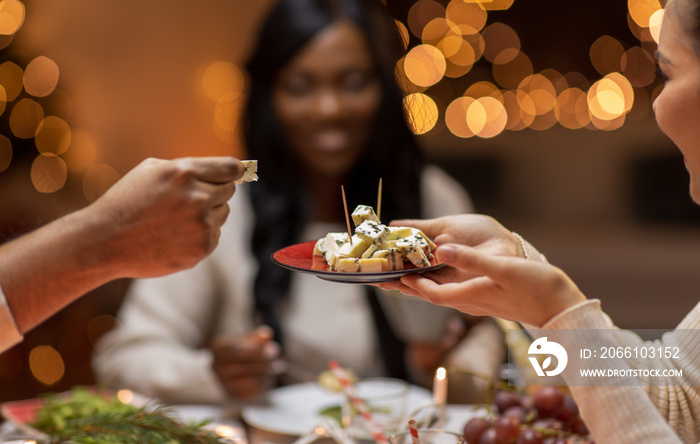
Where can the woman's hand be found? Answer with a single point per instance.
(475, 230)
(507, 287)
(243, 364)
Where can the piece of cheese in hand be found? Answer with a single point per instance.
(363, 213)
(250, 172)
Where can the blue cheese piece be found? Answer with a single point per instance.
(354, 249)
(419, 240)
(348, 265)
(329, 245)
(410, 233)
(363, 213)
(414, 253)
(372, 232)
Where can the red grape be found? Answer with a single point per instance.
(520, 413)
(505, 399)
(474, 429)
(548, 401)
(568, 412)
(529, 436)
(488, 437)
(507, 429)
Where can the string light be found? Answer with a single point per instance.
(526, 99)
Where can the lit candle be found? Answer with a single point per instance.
(440, 386)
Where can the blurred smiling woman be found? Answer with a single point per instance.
(324, 110)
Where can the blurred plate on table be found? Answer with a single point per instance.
(300, 257)
(295, 409)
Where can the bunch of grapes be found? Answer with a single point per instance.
(548, 416)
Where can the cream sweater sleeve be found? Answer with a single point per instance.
(640, 414)
(636, 414)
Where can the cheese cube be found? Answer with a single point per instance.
(318, 247)
(413, 253)
(374, 265)
(356, 249)
(399, 232)
(406, 233)
(419, 240)
(393, 256)
(372, 232)
(329, 245)
(370, 251)
(348, 265)
(363, 213)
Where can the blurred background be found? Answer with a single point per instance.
(541, 109)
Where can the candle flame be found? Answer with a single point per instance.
(441, 373)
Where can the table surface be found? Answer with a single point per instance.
(456, 417)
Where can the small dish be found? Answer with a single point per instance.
(300, 257)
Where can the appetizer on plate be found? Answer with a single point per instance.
(374, 247)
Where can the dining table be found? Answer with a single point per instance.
(260, 423)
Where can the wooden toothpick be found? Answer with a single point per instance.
(379, 200)
(347, 216)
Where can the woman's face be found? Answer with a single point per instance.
(677, 107)
(326, 99)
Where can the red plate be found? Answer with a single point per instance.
(300, 257)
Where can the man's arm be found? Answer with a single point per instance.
(161, 217)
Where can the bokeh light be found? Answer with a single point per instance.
(11, 16)
(12, 79)
(41, 76)
(81, 153)
(638, 66)
(469, 17)
(487, 117)
(502, 43)
(49, 173)
(97, 179)
(125, 396)
(227, 113)
(425, 65)
(606, 53)
(456, 117)
(421, 13)
(422, 112)
(403, 32)
(541, 91)
(655, 24)
(510, 74)
(222, 79)
(571, 109)
(25, 118)
(641, 10)
(46, 364)
(53, 135)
